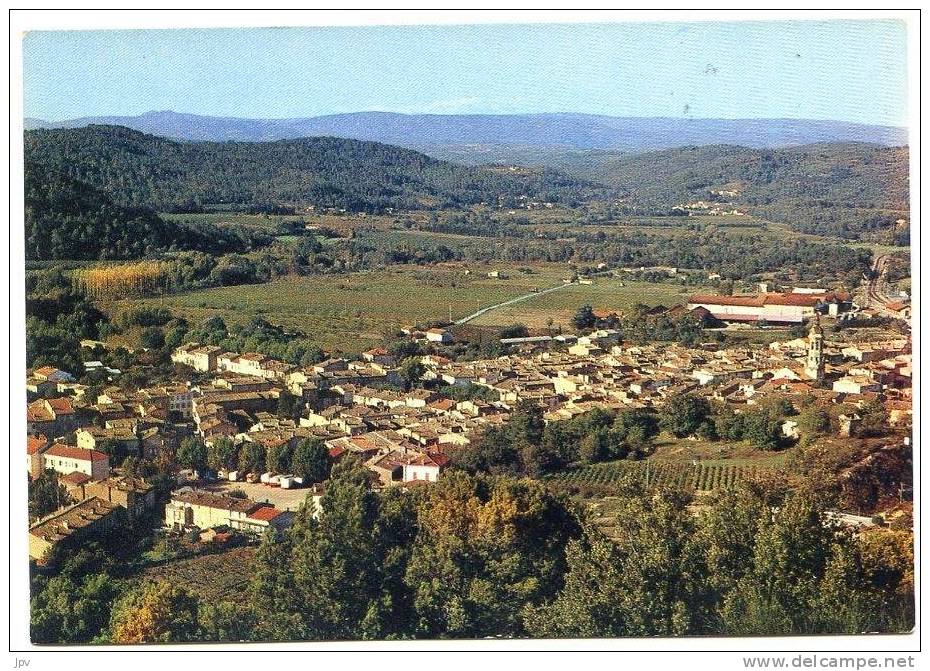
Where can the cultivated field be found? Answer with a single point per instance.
(606, 293)
(702, 477)
(213, 577)
(354, 311)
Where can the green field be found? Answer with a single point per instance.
(352, 312)
(607, 293)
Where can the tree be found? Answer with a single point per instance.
(514, 331)
(226, 621)
(486, 549)
(114, 449)
(493, 452)
(526, 424)
(46, 494)
(632, 430)
(683, 414)
(252, 458)
(645, 581)
(762, 429)
(790, 555)
(192, 453)
(339, 577)
(222, 454)
(411, 370)
(311, 460)
(72, 608)
(813, 421)
(152, 338)
(874, 420)
(594, 447)
(156, 612)
(584, 318)
(278, 459)
(287, 404)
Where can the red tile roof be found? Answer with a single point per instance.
(798, 300)
(75, 478)
(61, 406)
(77, 453)
(35, 443)
(264, 514)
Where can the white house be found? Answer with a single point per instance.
(424, 467)
(439, 335)
(67, 459)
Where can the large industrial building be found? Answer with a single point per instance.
(775, 308)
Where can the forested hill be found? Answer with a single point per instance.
(839, 189)
(67, 219)
(139, 170)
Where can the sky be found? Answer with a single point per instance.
(841, 70)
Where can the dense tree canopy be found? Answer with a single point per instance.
(69, 219)
(140, 170)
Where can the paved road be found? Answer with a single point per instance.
(465, 320)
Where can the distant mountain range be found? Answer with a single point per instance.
(486, 135)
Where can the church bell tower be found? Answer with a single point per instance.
(813, 367)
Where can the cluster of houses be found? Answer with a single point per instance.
(406, 438)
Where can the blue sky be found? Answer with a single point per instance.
(845, 70)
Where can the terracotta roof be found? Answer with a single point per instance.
(61, 406)
(264, 514)
(37, 411)
(35, 444)
(75, 478)
(63, 523)
(77, 453)
(443, 404)
(711, 299)
(799, 300)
